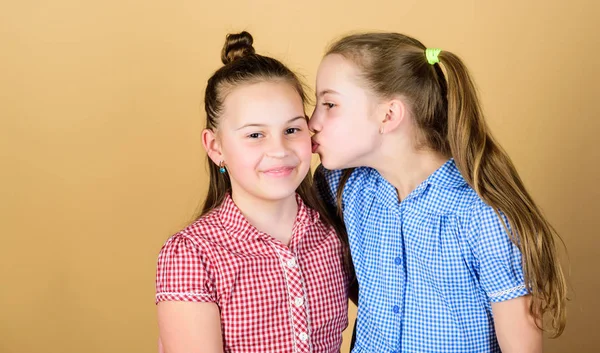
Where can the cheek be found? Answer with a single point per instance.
(353, 121)
(242, 155)
(339, 130)
(349, 135)
(303, 148)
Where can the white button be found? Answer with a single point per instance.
(291, 263)
(299, 301)
(303, 336)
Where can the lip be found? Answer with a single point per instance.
(315, 146)
(281, 171)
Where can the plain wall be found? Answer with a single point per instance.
(101, 158)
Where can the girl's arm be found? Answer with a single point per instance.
(500, 271)
(515, 327)
(189, 327)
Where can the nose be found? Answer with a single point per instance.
(314, 123)
(277, 147)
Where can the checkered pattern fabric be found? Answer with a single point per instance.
(428, 267)
(272, 297)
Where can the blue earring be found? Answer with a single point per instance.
(222, 169)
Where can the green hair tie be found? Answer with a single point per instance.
(432, 55)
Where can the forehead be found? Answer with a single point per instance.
(263, 98)
(335, 71)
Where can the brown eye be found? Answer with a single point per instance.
(291, 130)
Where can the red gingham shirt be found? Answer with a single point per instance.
(272, 297)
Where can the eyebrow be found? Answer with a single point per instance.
(327, 91)
(263, 125)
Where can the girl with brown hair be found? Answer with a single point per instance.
(260, 270)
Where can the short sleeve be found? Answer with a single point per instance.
(326, 182)
(182, 272)
(499, 259)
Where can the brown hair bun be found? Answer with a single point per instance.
(237, 46)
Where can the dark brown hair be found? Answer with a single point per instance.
(242, 66)
(449, 118)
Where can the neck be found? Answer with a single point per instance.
(273, 217)
(404, 166)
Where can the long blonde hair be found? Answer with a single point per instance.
(450, 120)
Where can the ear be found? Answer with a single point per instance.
(212, 146)
(395, 113)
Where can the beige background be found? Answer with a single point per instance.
(101, 160)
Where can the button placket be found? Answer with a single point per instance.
(298, 309)
(399, 260)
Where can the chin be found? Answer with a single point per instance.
(279, 191)
(278, 195)
(330, 163)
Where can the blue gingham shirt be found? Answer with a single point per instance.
(428, 267)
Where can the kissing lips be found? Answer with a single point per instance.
(315, 146)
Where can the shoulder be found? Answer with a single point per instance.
(352, 178)
(200, 236)
(486, 228)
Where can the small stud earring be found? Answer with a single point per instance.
(222, 169)
(381, 130)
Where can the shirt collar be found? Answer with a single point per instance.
(238, 226)
(447, 176)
